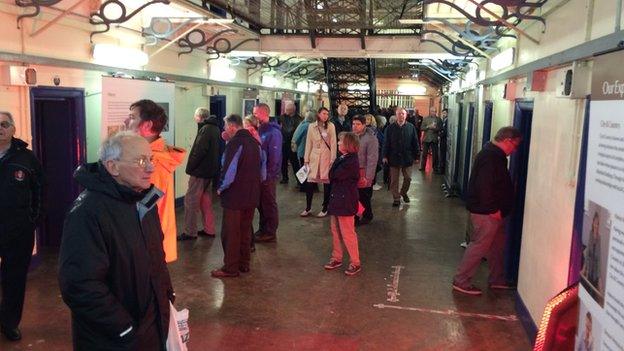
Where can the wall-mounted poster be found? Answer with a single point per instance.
(248, 105)
(119, 93)
(601, 317)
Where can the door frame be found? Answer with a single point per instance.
(468, 147)
(515, 223)
(488, 110)
(78, 121)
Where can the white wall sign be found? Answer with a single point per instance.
(119, 93)
(601, 319)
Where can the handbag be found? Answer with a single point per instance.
(179, 332)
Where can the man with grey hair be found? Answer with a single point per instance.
(21, 182)
(431, 127)
(112, 270)
(400, 151)
(289, 121)
(202, 167)
(489, 199)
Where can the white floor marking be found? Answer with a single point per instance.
(392, 289)
(509, 318)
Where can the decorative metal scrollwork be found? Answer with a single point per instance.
(485, 41)
(266, 63)
(33, 3)
(101, 18)
(457, 47)
(197, 38)
(162, 27)
(506, 15)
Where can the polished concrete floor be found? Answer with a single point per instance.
(288, 302)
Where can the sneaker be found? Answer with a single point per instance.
(321, 214)
(377, 187)
(332, 264)
(405, 198)
(470, 290)
(502, 286)
(184, 237)
(305, 213)
(396, 203)
(353, 270)
(464, 244)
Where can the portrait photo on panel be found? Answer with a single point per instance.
(596, 235)
(588, 332)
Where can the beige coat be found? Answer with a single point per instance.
(318, 156)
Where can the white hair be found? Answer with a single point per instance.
(8, 114)
(112, 147)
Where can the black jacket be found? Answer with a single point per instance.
(203, 161)
(343, 176)
(401, 146)
(288, 124)
(490, 188)
(240, 178)
(341, 127)
(21, 187)
(112, 270)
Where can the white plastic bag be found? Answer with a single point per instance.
(179, 332)
(302, 174)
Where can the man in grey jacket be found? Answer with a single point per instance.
(431, 126)
(368, 156)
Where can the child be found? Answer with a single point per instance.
(343, 203)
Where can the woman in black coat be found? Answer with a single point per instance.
(343, 203)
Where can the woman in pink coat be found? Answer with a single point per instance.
(320, 153)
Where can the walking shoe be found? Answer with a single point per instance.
(353, 270)
(321, 214)
(205, 233)
(377, 187)
(470, 290)
(464, 244)
(184, 237)
(265, 238)
(220, 273)
(305, 213)
(332, 264)
(12, 334)
(405, 198)
(396, 203)
(502, 286)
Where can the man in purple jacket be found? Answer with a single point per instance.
(271, 139)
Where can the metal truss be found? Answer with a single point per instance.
(351, 81)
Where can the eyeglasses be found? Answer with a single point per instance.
(142, 162)
(6, 124)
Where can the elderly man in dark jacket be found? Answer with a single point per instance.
(112, 270)
(240, 195)
(20, 207)
(489, 199)
(203, 168)
(400, 150)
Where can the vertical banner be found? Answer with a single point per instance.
(119, 93)
(601, 318)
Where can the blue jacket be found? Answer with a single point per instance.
(299, 138)
(271, 138)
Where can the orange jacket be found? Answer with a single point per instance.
(166, 159)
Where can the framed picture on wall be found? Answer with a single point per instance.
(248, 105)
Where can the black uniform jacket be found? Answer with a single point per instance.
(401, 145)
(21, 183)
(112, 264)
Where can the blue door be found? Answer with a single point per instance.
(458, 146)
(487, 122)
(468, 149)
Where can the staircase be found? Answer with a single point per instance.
(351, 81)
